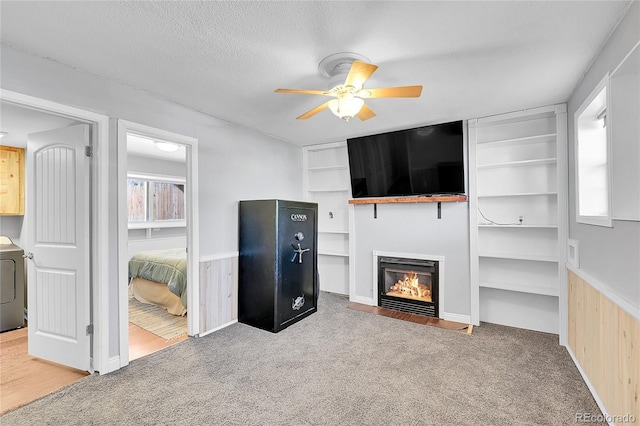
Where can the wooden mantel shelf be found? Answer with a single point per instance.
(389, 200)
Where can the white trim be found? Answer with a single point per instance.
(220, 256)
(123, 242)
(474, 266)
(464, 319)
(595, 395)
(99, 216)
(515, 115)
(605, 221)
(193, 244)
(441, 275)
(364, 300)
(114, 363)
(324, 146)
(162, 178)
(217, 328)
(562, 186)
(409, 255)
(607, 291)
(352, 258)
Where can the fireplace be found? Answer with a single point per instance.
(408, 285)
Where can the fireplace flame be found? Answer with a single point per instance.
(410, 287)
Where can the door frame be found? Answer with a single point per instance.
(98, 213)
(193, 244)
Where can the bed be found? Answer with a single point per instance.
(160, 277)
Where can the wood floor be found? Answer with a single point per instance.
(142, 343)
(418, 319)
(24, 379)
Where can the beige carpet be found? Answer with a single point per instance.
(156, 320)
(336, 367)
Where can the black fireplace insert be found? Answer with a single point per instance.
(408, 285)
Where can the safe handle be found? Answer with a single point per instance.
(28, 255)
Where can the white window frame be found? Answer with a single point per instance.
(162, 223)
(603, 220)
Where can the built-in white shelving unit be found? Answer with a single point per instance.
(517, 180)
(326, 182)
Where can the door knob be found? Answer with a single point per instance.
(29, 255)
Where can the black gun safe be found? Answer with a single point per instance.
(278, 265)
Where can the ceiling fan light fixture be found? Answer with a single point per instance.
(346, 107)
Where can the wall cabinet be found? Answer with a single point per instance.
(518, 215)
(327, 183)
(11, 181)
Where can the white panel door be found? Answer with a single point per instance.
(57, 217)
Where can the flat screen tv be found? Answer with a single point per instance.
(424, 161)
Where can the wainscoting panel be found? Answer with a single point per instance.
(218, 293)
(605, 341)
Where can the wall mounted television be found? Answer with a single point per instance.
(424, 161)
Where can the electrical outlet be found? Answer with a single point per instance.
(521, 219)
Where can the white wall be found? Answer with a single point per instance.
(234, 162)
(11, 226)
(611, 255)
(415, 228)
(155, 166)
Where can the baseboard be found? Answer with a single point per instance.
(217, 328)
(464, 319)
(113, 364)
(363, 300)
(605, 414)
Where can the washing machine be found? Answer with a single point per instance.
(12, 274)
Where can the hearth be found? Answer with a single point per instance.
(408, 285)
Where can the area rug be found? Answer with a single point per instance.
(156, 320)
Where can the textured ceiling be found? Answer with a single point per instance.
(226, 58)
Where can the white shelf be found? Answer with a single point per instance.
(489, 225)
(333, 253)
(517, 141)
(523, 194)
(546, 291)
(518, 168)
(513, 256)
(541, 161)
(326, 181)
(327, 168)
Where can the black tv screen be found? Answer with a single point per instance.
(424, 161)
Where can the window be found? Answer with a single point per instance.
(155, 201)
(593, 205)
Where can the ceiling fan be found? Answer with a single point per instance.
(349, 95)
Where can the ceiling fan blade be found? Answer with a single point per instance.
(313, 112)
(365, 113)
(304, 92)
(392, 92)
(359, 73)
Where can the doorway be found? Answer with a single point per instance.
(90, 353)
(156, 165)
